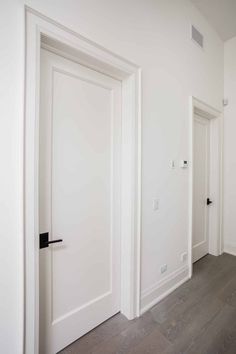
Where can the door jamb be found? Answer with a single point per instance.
(40, 28)
(216, 176)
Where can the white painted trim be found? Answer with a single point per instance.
(221, 195)
(216, 117)
(151, 296)
(190, 238)
(230, 249)
(71, 44)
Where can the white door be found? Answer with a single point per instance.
(200, 187)
(79, 200)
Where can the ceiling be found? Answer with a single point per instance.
(221, 14)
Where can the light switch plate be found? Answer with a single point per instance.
(155, 204)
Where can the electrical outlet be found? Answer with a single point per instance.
(184, 257)
(163, 268)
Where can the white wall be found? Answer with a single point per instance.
(230, 147)
(11, 125)
(154, 34)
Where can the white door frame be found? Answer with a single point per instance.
(42, 31)
(215, 118)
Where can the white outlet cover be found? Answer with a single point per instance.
(184, 257)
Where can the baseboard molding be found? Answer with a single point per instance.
(230, 249)
(164, 287)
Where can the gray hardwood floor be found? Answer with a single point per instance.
(197, 318)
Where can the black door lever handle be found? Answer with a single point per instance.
(44, 242)
(209, 201)
(55, 241)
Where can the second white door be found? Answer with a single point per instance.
(201, 187)
(79, 194)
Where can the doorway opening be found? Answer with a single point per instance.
(206, 132)
(45, 34)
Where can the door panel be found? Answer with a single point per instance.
(80, 133)
(200, 188)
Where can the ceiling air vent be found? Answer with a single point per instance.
(196, 36)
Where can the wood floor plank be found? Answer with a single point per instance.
(184, 332)
(154, 343)
(228, 293)
(232, 347)
(218, 335)
(197, 318)
(129, 338)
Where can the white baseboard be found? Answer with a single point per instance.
(230, 249)
(164, 287)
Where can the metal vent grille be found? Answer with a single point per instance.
(197, 37)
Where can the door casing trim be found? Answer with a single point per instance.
(42, 31)
(216, 127)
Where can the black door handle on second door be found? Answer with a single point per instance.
(209, 201)
(44, 242)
